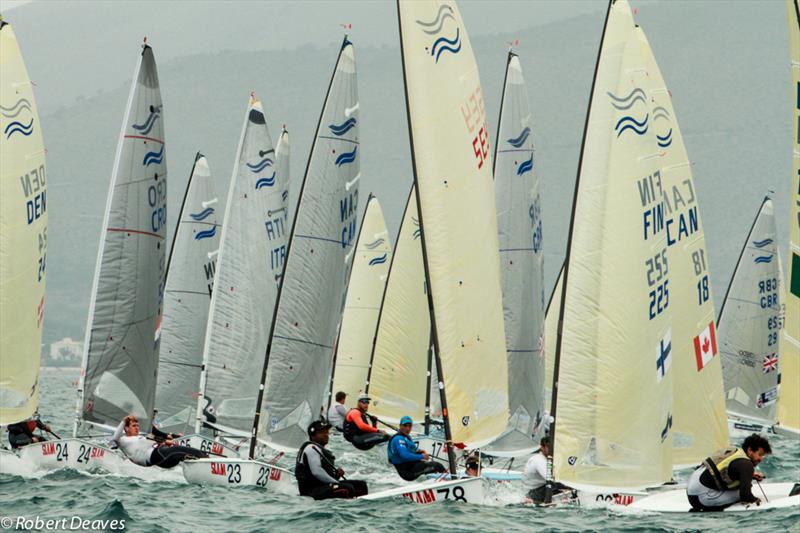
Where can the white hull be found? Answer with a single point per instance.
(675, 501)
(77, 454)
(210, 446)
(469, 490)
(739, 428)
(786, 431)
(436, 447)
(239, 473)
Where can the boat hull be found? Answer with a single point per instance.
(675, 501)
(208, 445)
(235, 472)
(469, 490)
(78, 454)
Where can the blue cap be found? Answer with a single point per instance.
(406, 420)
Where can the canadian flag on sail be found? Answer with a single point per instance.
(705, 346)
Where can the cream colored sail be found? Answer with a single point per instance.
(455, 193)
(371, 260)
(613, 409)
(398, 371)
(789, 394)
(699, 422)
(23, 235)
(550, 332)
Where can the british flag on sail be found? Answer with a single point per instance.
(705, 346)
(770, 363)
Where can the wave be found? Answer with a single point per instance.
(202, 215)
(763, 259)
(346, 157)
(660, 112)
(446, 45)
(344, 127)
(266, 182)
(255, 168)
(205, 234)
(666, 140)
(11, 112)
(435, 26)
(761, 244)
(374, 244)
(629, 123)
(151, 158)
(525, 166)
(148, 124)
(626, 102)
(18, 127)
(378, 260)
(518, 141)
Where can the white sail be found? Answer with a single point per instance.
(789, 401)
(251, 256)
(699, 423)
(122, 335)
(519, 224)
(282, 156)
(373, 255)
(310, 303)
(750, 324)
(455, 194)
(550, 333)
(398, 372)
(613, 398)
(23, 235)
(187, 297)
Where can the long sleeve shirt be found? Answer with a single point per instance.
(138, 448)
(740, 470)
(314, 462)
(402, 449)
(336, 415)
(535, 474)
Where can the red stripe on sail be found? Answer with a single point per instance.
(123, 230)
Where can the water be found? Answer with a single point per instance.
(177, 506)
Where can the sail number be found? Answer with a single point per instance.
(456, 492)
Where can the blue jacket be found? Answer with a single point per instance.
(402, 449)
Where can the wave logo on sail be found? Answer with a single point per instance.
(153, 158)
(763, 259)
(255, 168)
(374, 244)
(525, 166)
(378, 260)
(660, 113)
(435, 26)
(344, 127)
(145, 127)
(17, 126)
(346, 157)
(418, 231)
(266, 182)
(629, 122)
(205, 234)
(761, 244)
(202, 215)
(519, 140)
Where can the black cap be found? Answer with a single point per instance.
(316, 426)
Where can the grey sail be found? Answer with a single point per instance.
(309, 308)
(519, 226)
(750, 325)
(252, 250)
(122, 334)
(190, 278)
(282, 156)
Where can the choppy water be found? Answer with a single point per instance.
(176, 506)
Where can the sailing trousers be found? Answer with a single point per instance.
(414, 469)
(171, 456)
(352, 488)
(367, 441)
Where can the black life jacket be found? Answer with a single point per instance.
(306, 481)
(349, 429)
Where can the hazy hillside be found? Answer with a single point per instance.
(731, 89)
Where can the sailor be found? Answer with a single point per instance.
(357, 427)
(726, 477)
(146, 452)
(473, 465)
(410, 461)
(534, 478)
(21, 433)
(316, 471)
(337, 411)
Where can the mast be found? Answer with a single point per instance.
(429, 377)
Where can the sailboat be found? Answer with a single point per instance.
(522, 266)
(187, 297)
(283, 155)
(452, 163)
(249, 268)
(370, 264)
(23, 242)
(750, 325)
(788, 416)
(297, 359)
(612, 393)
(550, 332)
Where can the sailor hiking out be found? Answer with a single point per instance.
(160, 452)
(357, 427)
(409, 461)
(316, 471)
(21, 433)
(726, 477)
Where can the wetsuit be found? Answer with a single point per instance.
(360, 432)
(21, 433)
(145, 452)
(410, 464)
(317, 477)
(708, 490)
